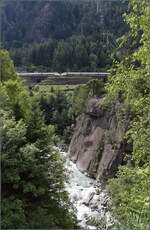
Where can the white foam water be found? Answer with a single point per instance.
(82, 191)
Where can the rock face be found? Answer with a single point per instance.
(97, 145)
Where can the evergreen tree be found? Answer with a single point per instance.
(33, 173)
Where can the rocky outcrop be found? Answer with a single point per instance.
(98, 143)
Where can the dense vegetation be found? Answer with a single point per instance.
(60, 37)
(57, 109)
(130, 84)
(61, 108)
(33, 173)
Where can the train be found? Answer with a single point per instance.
(65, 74)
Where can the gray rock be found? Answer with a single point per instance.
(62, 147)
(94, 200)
(97, 144)
(88, 197)
(94, 107)
(108, 165)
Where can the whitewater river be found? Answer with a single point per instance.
(87, 197)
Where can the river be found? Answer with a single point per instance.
(88, 197)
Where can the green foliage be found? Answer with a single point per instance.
(13, 93)
(129, 83)
(16, 97)
(60, 20)
(56, 106)
(64, 38)
(33, 174)
(130, 193)
(140, 133)
(94, 88)
(97, 159)
(80, 98)
(6, 67)
(73, 54)
(13, 215)
(61, 108)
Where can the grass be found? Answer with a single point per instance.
(55, 87)
(64, 80)
(60, 83)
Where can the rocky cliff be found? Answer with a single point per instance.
(98, 143)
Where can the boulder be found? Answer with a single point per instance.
(88, 197)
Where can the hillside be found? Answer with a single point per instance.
(62, 35)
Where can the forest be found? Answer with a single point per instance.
(60, 37)
(33, 194)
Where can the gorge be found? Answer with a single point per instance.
(102, 180)
(97, 148)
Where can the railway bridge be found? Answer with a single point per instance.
(54, 78)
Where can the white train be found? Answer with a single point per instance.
(36, 74)
(71, 74)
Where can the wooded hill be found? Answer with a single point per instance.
(63, 35)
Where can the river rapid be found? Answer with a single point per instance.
(88, 197)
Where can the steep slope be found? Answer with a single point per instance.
(98, 143)
(25, 22)
(65, 35)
